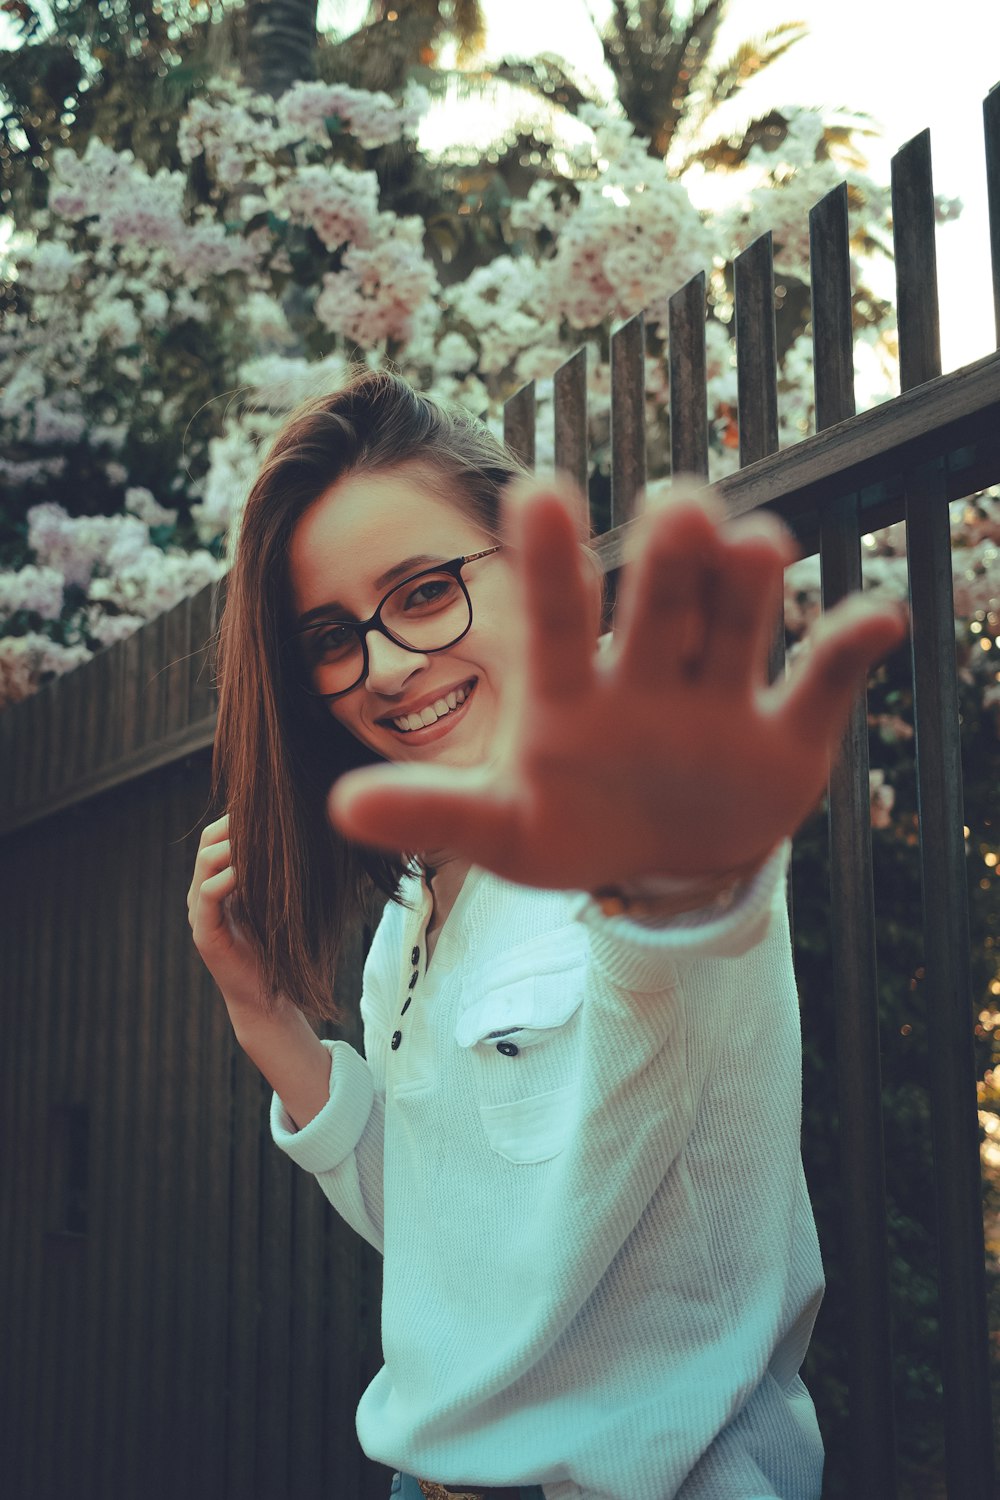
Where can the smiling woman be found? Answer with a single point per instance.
(360, 490)
(590, 1292)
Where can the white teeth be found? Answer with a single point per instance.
(432, 712)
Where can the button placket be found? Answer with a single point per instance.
(397, 1036)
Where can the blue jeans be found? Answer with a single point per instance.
(405, 1487)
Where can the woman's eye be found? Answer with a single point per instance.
(431, 591)
(331, 640)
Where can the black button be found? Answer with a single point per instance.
(413, 978)
(508, 1049)
(415, 956)
(406, 1005)
(397, 1037)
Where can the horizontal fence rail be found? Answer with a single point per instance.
(109, 1065)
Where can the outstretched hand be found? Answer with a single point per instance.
(669, 754)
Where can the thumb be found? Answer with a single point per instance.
(424, 807)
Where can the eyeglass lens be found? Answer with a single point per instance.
(426, 614)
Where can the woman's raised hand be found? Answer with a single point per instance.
(219, 939)
(668, 755)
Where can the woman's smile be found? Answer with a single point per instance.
(440, 711)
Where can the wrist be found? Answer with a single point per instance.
(665, 896)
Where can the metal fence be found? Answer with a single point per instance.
(181, 1311)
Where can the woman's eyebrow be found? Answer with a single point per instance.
(335, 610)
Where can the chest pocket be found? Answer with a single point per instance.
(523, 1040)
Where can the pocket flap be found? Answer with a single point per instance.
(528, 1007)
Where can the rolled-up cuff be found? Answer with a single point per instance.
(642, 955)
(334, 1133)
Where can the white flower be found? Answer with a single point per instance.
(49, 266)
(279, 382)
(233, 463)
(142, 503)
(38, 590)
(455, 354)
(339, 204)
(115, 320)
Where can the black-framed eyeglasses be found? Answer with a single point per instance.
(427, 612)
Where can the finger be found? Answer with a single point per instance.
(744, 602)
(210, 910)
(558, 595)
(415, 808)
(211, 858)
(213, 831)
(848, 641)
(662, 626)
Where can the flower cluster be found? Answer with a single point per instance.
(339, 204)
(142, 326)
(314, 111)
(372, 298)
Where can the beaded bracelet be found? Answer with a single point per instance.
(665, 896)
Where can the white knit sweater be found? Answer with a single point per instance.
(581, 1161)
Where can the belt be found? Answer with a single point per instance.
(462, 1492)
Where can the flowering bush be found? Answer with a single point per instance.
(162, 323)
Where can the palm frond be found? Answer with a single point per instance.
(726, 153)
(547, 76)
(749, 59)
(468, 26)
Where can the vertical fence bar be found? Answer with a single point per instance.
(991, 123)
(519, 424)
(757, 375)
(852, 911)
(66, 1242)
(209, 1108)
(45, 888)
(628, 418)
(954, 1122)
(244, 1295)
(833, 341)
(756, 351)
(688, 383)
(570, 402)
(19, 1186)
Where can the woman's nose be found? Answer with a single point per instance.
(390, 666)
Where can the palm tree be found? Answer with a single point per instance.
(279, 38)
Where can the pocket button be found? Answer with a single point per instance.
(509, 1049)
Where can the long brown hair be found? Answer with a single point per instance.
(300, 886)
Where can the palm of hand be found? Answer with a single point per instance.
(668, 755)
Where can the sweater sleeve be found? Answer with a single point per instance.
(646, 957)
(343, 1146)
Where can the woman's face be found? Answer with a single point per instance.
(350, 547)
